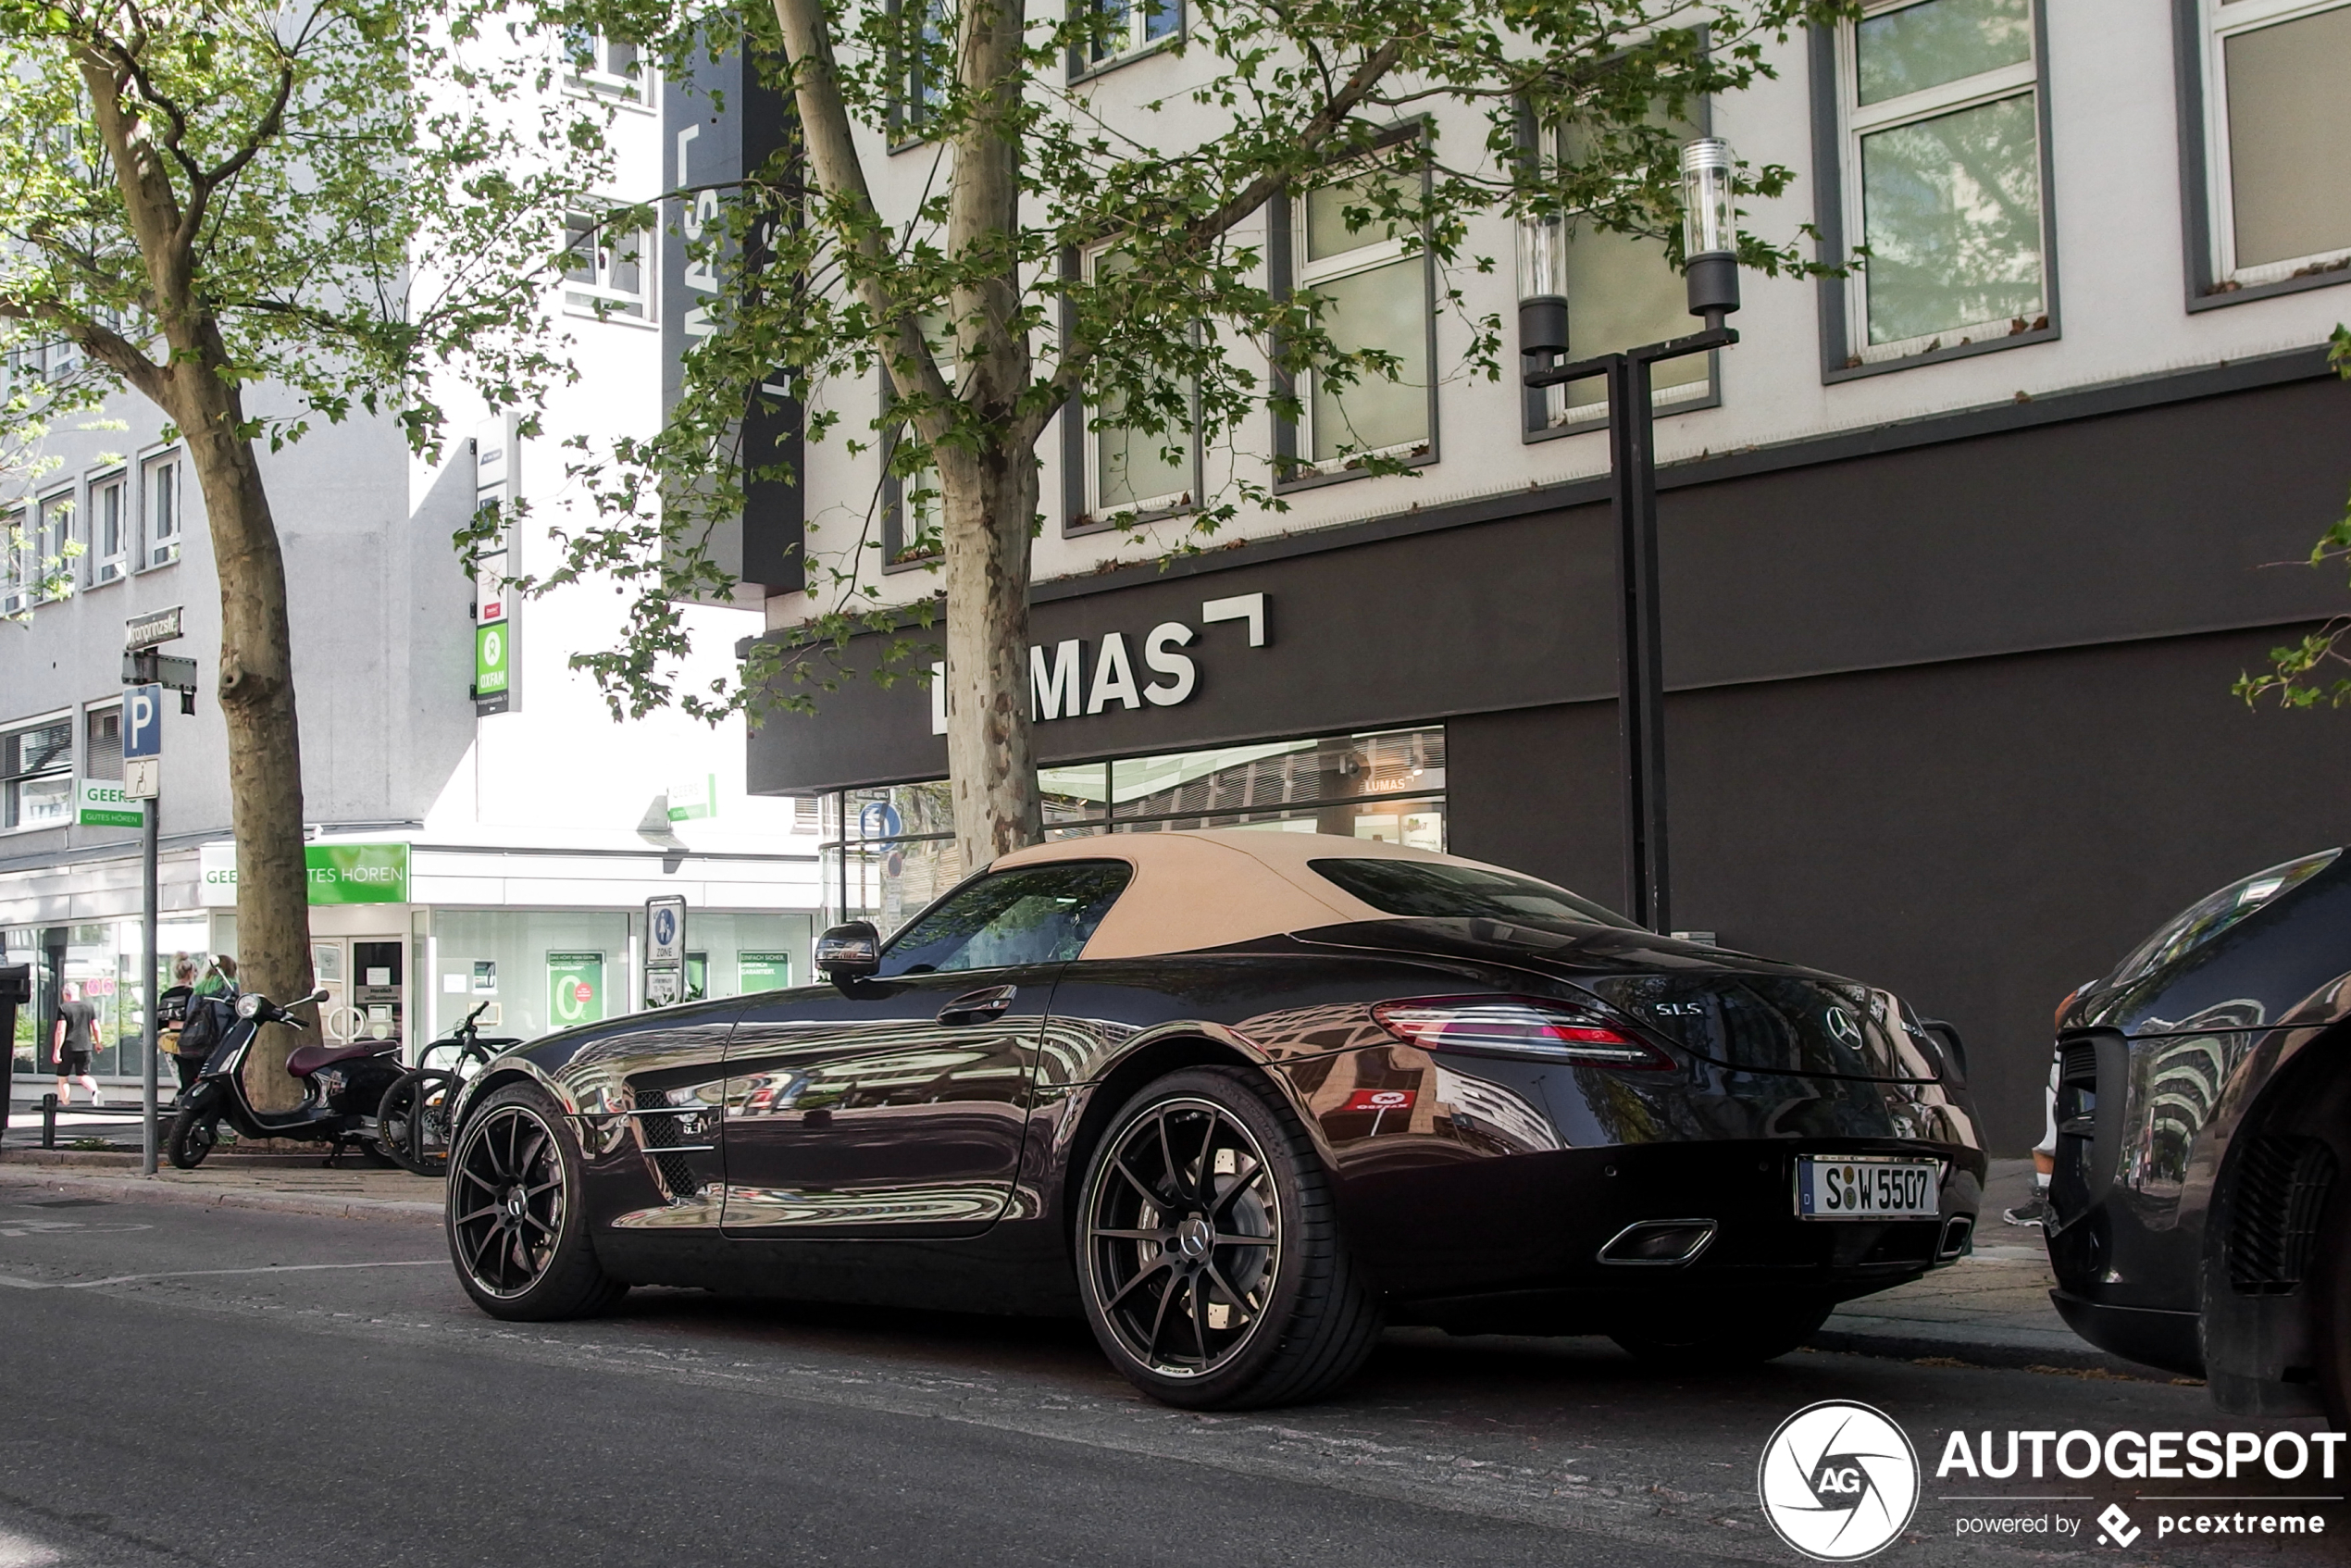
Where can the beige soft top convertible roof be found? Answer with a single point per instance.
(1203, 889)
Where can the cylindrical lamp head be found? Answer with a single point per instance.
(1542, 285)
(1709, 235)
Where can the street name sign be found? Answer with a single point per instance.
(147, 630)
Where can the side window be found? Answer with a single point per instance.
(1040, 915)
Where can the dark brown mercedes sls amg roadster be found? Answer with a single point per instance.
(1242, 1096)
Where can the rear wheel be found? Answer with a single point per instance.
(194, 1133)
(1743, 1337)
(412, 1121)
(518, 1226)
(1210, 1257)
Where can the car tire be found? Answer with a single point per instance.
(1210, 1257)
(2331, 1303)
(515, 1213)
(1696, 1343)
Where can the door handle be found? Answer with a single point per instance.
(978, 1007)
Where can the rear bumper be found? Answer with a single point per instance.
(2171, 1340)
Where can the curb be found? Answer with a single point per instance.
(159, 1190)
(2071, 1360)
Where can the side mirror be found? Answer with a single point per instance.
(850, 952)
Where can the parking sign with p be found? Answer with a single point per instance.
(142, 722)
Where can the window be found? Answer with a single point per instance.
(51, 533)
(605, 275)
(2277, 123)
(1041, 915)
(1122, 27)
(910, 511)
(102, 747)
(16, 576)
(1423, 889)
(1622, 292)
(924, 58)
(1940, 107)
(605, 67)
(1133, 471)
(1375, 282)
(36, 775)
(161, 485)
(110, 529)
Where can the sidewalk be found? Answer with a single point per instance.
(228, 1182)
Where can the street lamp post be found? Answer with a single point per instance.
(1712, 272)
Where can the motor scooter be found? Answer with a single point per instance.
(344, 1085)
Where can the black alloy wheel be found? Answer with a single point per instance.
(1719, 1336)
(196, 1131)
(1210, 1256)
(517, 1230)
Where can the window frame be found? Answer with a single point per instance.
(1837, 177)
(104, 567)
(62, 499)
(908, 108)
(150, 465)
(10, 783)
(1081, 512)
(894, 518)
(634, 91)
(1535, 421)
(1286, 242)
(648, 268)
(87, 756)
(15, 581)
(1082, 68)
(2206, 180)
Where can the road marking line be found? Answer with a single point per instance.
(204, 1273)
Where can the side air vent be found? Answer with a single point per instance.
(2281, 1191)
(677, 1175)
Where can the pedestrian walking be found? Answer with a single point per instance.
(171, 1017)
(74, 1038)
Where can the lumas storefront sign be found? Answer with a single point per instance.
(1068, 680)
(339, 874)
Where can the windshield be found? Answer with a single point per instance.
(2207, 917)
(1036, 914)
(1435, 889)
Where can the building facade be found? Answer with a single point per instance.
(481, 827)
(1961, 553)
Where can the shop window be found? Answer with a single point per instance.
(2276, 124)
(36, 774)
(110, 529)
(1123, 28)
(1940, 175)
(1374, 277)
(604, 272)
(1129, 471)
(897, 851)
(160, 486)
(101, 742)
(1623, 291)
(605, 67)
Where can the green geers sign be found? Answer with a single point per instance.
(357, 872)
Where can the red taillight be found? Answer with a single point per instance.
(1518, 1027)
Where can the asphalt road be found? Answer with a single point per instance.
(181, 1385)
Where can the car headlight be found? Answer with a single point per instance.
(1518, 1027)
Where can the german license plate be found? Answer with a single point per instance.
(1866, 1189)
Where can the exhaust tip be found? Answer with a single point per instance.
(1658, 1243)
(1958, 1231)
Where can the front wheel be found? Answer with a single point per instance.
(1210, 1257)
(516, 1213)
(196, 1131)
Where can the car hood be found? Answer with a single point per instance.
(1748, 1013)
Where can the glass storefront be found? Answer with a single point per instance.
(552, 969)
(890, 851)
(100, 957)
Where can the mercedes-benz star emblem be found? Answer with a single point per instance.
(1839, 1481)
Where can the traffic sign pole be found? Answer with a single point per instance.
(142, 770)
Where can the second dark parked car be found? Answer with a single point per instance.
(2201, 1222)
(1240, 1097)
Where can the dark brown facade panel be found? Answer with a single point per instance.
(1980, 835)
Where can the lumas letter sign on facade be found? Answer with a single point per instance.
(1068, 680)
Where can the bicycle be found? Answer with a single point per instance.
(412, 1123)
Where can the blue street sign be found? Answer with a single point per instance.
(880, 819)
(143, 722)
(665, 927)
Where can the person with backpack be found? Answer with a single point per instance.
(72, 1042)
(211, 1008)
(171, 1018)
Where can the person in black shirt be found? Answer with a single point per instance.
(171, 1017)
(75, 1038)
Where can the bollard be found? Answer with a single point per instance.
(49, 1120)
